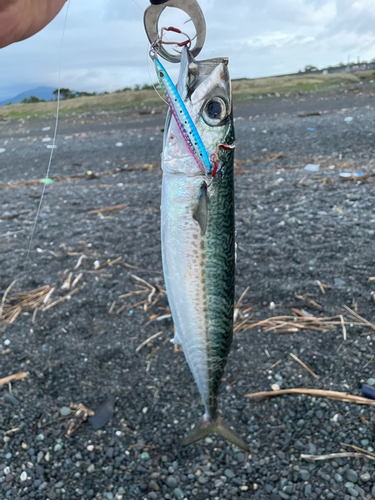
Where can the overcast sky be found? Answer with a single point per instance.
(105, 47)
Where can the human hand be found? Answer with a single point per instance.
(20, 19)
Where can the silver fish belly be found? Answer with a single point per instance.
(197, 230)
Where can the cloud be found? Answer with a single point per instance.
(105, 47)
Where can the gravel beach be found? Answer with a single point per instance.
(305, 240)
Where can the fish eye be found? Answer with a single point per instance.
(214, 111)
(161, 74)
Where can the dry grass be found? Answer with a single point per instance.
(302, 320)
(273, 84)
(116, 100)
(122, 100)
(29, 301)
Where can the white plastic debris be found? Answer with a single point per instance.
(46, 128)
(272, 305)
(46, 139)
(331, 167)
(2, 150)
(349, 119)
(119, 144)
(51, 146)
(275, 387)
(345, 174)
(311, 167)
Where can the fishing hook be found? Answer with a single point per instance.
(151, 23)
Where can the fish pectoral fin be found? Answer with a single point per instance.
(200, 213)
(206, 426)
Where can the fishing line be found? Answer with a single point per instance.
(149, 74)
(53, 142)
(147, 62)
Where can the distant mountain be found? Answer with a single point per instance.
(40, 92)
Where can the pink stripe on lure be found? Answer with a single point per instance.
(183, 119)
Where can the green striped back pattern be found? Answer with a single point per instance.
(219, 248)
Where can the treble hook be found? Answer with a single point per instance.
(151, 20)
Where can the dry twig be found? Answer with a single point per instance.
(147, 341)
(303, 365)
(359, 318)
(115, 208)
(331, 456)
(319, 393)
(10, 378)
(343, 326)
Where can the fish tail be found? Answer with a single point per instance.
(207, 425)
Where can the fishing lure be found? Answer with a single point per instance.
(185, 123)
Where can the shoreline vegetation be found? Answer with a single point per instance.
(144, 99)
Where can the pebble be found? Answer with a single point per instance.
(365, 477)
(172, 482)
(23, 476)
(308, 490)
(91, 468)
(371, 381)
(338, 282)
(57, 447)
(352, 475)
(179, 493)
(305, 474)
(229, 473)
(145, 456)
(153, 485)
(10, 399)
(65, 411)
(354, 493)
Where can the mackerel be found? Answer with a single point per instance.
(197, 231)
